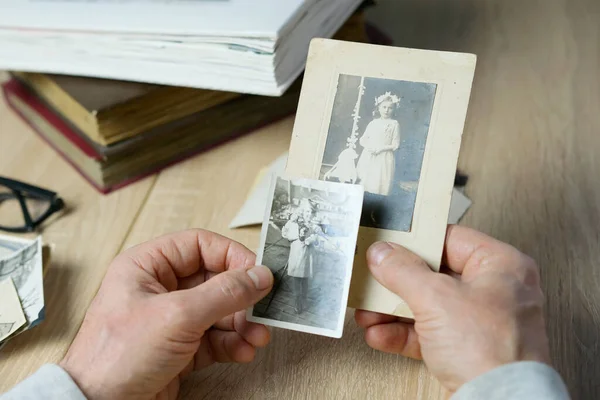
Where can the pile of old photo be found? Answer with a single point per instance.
(21, 285)
(308, 241)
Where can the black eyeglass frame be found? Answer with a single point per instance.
(21, 191)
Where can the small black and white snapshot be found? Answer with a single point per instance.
(308, 241)
(377, 136)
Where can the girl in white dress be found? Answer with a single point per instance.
(381, 139)
(302, 232)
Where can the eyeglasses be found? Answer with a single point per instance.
(36, 205)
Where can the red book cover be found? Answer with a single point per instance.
(14, 88)
(21, 91)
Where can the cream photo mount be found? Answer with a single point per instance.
(451, 74)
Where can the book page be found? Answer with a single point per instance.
(259, 18)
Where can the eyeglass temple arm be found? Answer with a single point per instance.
(24, 187)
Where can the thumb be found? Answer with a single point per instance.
(402, 272)
(224, 294)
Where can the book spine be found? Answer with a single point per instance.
(7, 92)
(22, 92)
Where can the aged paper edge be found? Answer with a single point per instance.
(453, 75)
(338, 331)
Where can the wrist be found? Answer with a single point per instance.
(80, 378)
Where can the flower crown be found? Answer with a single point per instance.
(387, 95)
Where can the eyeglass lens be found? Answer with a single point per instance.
(11, 210)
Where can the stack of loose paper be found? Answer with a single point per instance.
(257, 46)
(21, 285)
(252, 211)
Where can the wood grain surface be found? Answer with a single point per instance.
(530, 148)
(84, 240)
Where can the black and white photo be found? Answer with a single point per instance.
(377, 136)
(308, 241)
(21, 260)
(389, 119)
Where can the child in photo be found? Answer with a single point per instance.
(381, 139)
(302, 232)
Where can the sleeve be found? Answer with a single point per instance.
(396, 137)
(289, 231)
(316, 233)
(365, 138)
(395, 143)
(50, 382)
(522, 380)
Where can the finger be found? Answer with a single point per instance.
(467, 250)
(229, 347)
(256, 334)
(183, 254)
(226, 324)
(196, 279)
(365, 319)
(203, 357)
(200, 307)
(396, 337)
(187, 370)
(403, 273)
(446, 270)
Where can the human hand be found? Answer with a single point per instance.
(486, 312)
(167, 307)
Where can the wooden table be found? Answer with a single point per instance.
(531, 148)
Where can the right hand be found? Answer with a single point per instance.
(486, 312)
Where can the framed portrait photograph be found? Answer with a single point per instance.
(308, 240)
(389, 119)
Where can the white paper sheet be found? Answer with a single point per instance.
(252, 211)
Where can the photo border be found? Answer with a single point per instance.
(334, 333)
(453, 74)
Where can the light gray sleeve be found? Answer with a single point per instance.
(50, 382)
(524, 380)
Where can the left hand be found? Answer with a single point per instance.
(167, 307)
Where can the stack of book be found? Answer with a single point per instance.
(242, 46)
(115, 132)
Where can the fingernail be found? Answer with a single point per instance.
(378, 251)
(261, 276)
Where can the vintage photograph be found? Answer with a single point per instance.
(391, 120)
(21, 260)
(376, 138)
(11, 313)
(308, 241)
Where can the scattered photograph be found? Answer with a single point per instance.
(308, 240)
(376, 138)
(11, 313)
(21, 260)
